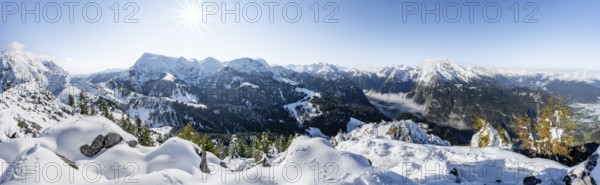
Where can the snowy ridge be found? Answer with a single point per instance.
(248, 65)
(318, 68)
(444, 69)
(152, 67)
(406, 130)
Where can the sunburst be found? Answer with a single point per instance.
(189, 15)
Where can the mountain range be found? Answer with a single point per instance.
(251, 95)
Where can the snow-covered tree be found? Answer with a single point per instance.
(234, 145)
(261, 146)
(488, 136)
(548, 135)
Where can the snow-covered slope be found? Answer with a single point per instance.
(66, 139)
(28, 86)
(303, 110)
(55, 157)
(428, 164)
(307, 161)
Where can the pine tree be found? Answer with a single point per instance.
(261, 146)
(122, 123)
(232, 149)
(190, 134)
(279, 143)
(221, 150)
(524, 131)
(106, 113)
(71, 101)
(93, 112)
(144, 137)
(288, 141)
(83, 104)
(480, 126)
(126, 125)
(550, 130)
(161, 138)
(207, 145)
(479, 122)
(503, 136)
(138, 126)
(243, 150)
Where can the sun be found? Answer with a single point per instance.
(189, 15)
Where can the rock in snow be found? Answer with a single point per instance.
(101, 142)
(585, 173)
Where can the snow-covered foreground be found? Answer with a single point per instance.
(430, 164)
(56, 158)
(39, 161)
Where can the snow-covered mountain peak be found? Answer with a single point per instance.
(210, 64)
(154, 61)
(153, 67)
(320, 68)
(444, 69)
(249, 65)
(15, 47)
(20, 66)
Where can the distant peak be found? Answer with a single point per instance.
(150, 55)
(249, 65)
(211, 59)
(15, 46)
(436, 63)
(446, 69)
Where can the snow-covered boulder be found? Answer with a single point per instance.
(488, 136)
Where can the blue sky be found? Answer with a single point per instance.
(367, 33)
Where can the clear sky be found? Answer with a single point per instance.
(548, 34)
